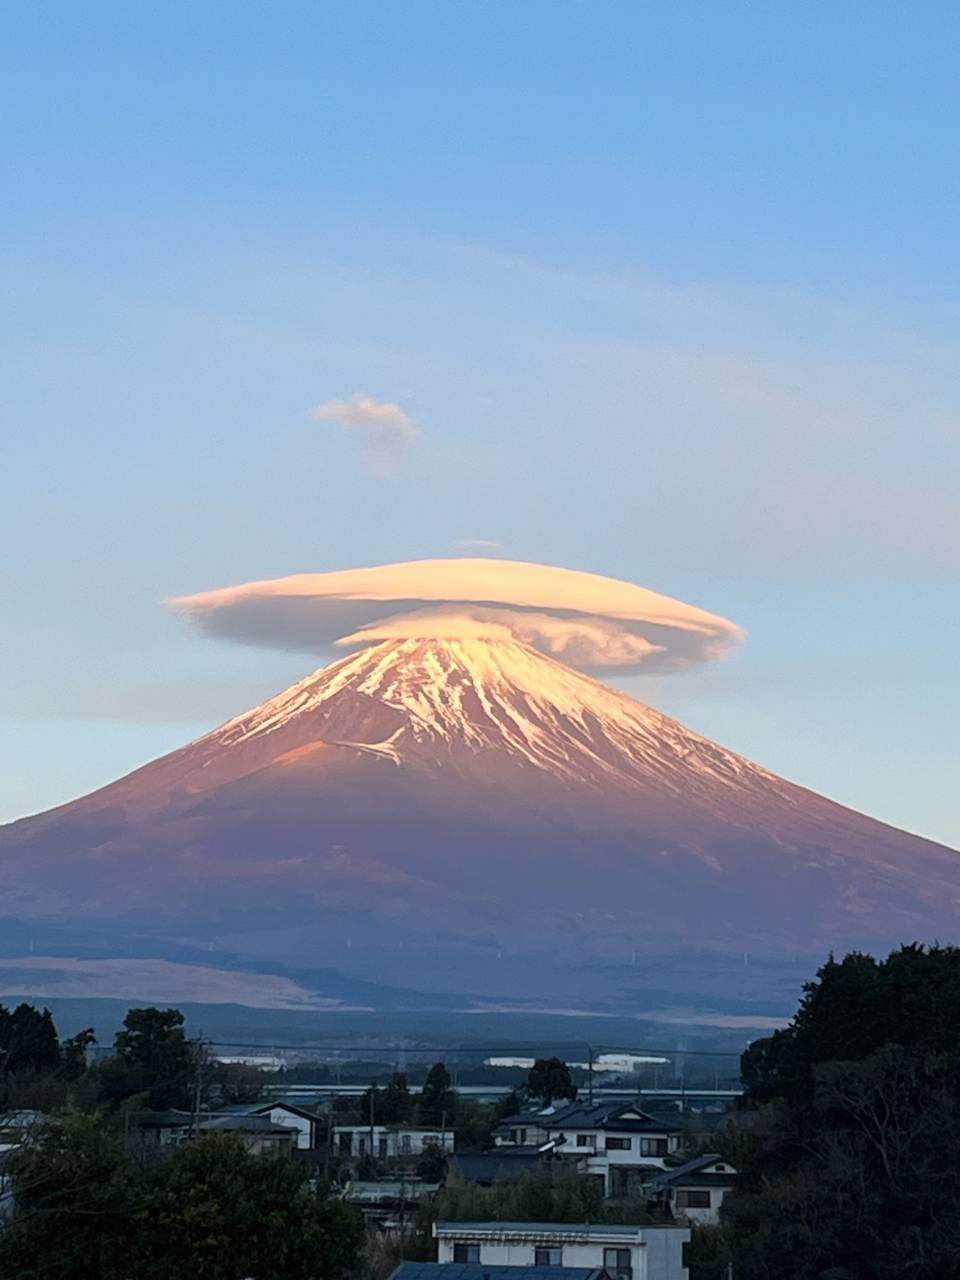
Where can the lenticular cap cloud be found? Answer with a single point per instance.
(585, 620)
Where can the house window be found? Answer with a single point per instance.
(405, 1143)
(466, 1253)
(382, 1148)
(618, 1144)
(693, 1199)
(584, 1139)
(548, 1257)
(522, 1139)
(653, 1146)
(616, 1262)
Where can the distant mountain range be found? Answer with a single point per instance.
(470, 815)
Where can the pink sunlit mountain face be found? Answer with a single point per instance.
(467, 814)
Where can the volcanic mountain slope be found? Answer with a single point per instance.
(443, 803)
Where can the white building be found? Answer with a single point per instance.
(694, 1192)
(624, 1252)
(281, 1113)
(622, 1144)
(259, 1061)
(389, 1141)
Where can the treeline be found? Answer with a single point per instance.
(153, 1065)
(851, 1168)
(88, 1209)
(92, 1201)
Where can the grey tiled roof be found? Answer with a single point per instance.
(607, 1115)
(244, 1124)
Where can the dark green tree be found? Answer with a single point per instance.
(213, 1211)
(549, 1080)
(473, 1127)
(391, 1105)
(78, 1204)
(432, 1163)
(852, 1165)
(218, 1213)
(28, 1040)
(73, 1054)
(437, 1104)
(154, 1060)
(234, 1084)
(508, 1105)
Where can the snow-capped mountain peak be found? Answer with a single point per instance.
(479, 696)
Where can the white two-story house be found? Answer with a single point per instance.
(622, 1252)
(621, 1143)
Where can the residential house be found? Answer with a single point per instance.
(389, 1141)
(257, 1132)
(623, 1252)
(286, 1114)
(528, 1129)
(694, 1191)
(622, 1144)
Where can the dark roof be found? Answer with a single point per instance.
(477, 1271)
(526, 1119)
(163, 1119)
(258, 1109)
(607, 1115)
(692, 1174)
(496, 1166)
(244, 1124)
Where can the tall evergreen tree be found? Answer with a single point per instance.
(549, 1079)
(437, 1104)
(28, 1040)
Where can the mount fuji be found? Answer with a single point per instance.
(469, 814)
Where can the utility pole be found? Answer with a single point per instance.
(590, 1073)
(199, 1061)
(372, 1143)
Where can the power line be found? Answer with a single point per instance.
(480, 1047)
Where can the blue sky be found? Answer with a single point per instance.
(669, 290)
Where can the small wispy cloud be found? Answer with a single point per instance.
(475, 544)
(382, 428)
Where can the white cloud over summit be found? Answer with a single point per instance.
(585, 620)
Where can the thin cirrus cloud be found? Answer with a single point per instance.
(582, 619)
(382, 429)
